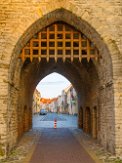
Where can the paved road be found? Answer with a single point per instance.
(52, 116)
(47, 121)
(59, 146)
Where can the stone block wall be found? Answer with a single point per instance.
(100, 21)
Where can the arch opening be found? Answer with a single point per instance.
(80, 75)
(55, 99)
(92, 80)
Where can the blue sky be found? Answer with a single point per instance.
(52, 85)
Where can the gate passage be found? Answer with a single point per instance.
(59, 40)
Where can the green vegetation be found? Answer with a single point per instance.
(1, 151)
(118, 161)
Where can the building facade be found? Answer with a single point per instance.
(44, 104)
(72, 101)
(36, 101)
(53, 105)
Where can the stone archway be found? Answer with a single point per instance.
(91, 80)
(94, 122)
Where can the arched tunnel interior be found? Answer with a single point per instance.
(91, 79)
(82, 75)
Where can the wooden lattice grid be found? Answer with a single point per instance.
(59, 40)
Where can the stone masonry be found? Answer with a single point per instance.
(98, 84)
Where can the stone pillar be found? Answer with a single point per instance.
(80, 118)
(94, 122)
(87, 127)
(4, 116)
(30, 118)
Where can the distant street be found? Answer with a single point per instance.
(47, 121)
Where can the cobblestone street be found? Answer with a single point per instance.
(47, 121)
(62, 145)
(59, 146)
